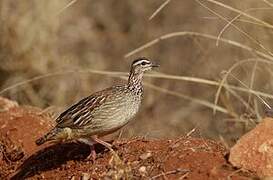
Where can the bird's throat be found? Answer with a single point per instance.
(135, 82)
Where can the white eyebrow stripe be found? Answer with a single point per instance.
(140, 61)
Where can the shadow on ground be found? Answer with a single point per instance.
(53, 157)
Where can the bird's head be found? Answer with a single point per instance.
(141, 65)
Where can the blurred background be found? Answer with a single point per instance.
(47, 36)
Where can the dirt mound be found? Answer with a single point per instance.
(139, 158)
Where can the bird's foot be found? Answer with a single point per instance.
(93, 155)
(93, 140)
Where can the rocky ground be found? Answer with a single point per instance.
(139, 158)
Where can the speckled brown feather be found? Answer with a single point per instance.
(80, 113)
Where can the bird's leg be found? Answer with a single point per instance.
(91, 143)
(93, 140)
(97, 140)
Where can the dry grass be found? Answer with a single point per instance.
(54, 52)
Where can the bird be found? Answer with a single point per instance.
(103, 112)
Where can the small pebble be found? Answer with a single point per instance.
(175, 145)
(135, 163)
(142, 171)
(85, 176)
(145, 155)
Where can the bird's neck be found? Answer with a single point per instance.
(135, 82)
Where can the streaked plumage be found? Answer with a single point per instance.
(102, 112)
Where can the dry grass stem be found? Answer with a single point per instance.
(236, 27)
(60, 73)
(239, 20)
(189, 33)
(230, 22)
(195, 100)
(191, 132)
(268, 3)
(67, 6)
(240, 12)
(224, 79)
(224, 142)
(245, 103)
(261, 99)
(208, 82)
(252, 79)
(159, 9)
(257, 109)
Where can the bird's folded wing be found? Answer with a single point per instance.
(80, 114)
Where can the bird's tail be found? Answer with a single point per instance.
(51, 135)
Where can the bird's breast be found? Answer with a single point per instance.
(116, 112)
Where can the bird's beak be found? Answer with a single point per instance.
(155, 65)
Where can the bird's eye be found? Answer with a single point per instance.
(143, 63)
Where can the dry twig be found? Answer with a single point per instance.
(170, 172)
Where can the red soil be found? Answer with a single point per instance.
(139, 158)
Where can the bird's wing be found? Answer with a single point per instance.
(81, 113)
